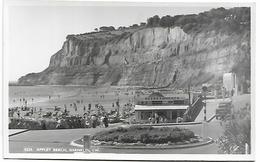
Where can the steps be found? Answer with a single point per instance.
(193, 111)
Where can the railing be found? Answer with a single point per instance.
(193, 111)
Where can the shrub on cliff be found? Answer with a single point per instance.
(219, 19)
(106, 28)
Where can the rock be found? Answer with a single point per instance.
(151, 57)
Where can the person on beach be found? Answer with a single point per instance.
(150, 120)
(87, 123)
(18, 114)
(161, 119)
(105, 121)
(102, 120)
(75, 106)
(93, 121)
(65, 110)
(58, 124)
(157, 118)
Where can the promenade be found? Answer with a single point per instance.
(59, 141)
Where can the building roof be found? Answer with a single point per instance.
(166, 107)
(156, 94)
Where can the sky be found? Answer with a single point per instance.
(37, 31)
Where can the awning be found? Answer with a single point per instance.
(166, 107)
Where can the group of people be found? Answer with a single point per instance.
(91, 118)
(155, 119)
(29, 111)
(93, 115)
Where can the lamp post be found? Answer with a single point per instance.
(118, 106)
(204, 93)
(204, 124)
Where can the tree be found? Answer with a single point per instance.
(142, 24)
(134, 25)
(166, 21)
(121, 28)
(106, 28)
(153, 21)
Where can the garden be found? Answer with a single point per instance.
(145, 135)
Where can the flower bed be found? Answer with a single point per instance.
(145, 135)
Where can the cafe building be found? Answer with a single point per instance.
(167, 108)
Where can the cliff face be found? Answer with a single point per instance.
(153, 57)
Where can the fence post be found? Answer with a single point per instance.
(87, 143)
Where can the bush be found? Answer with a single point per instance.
(144, 138)
(138, 127)
(175, 136)
(237, 133)
(68, 123)
(32, 124)
(126, 139)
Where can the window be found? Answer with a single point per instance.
(179, 102)
(156, 102)
(174, 114)
(170, 102)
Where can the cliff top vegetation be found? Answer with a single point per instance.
(233, 20)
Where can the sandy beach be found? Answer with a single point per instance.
(48, 97)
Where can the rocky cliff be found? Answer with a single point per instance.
(147, 56)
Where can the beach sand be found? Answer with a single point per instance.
(47, 97)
